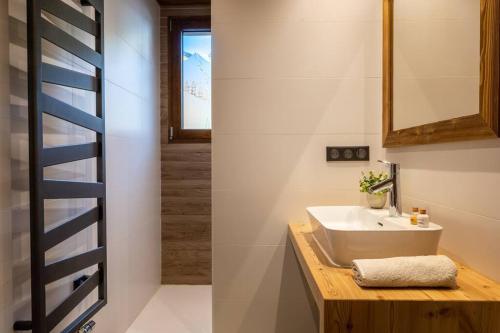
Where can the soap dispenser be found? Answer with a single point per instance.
(423, 219)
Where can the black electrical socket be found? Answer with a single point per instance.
(344, 154)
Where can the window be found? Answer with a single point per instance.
(190, 56)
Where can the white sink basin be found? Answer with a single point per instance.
(345, 233)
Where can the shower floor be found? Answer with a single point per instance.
(176, 309)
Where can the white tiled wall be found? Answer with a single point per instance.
(133, 163)
(460, 184)
(291, 77)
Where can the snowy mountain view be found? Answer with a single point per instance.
(196, 81)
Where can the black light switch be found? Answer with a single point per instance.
(343, 154)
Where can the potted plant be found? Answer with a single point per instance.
(375, 200)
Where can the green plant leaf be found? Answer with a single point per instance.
(371, 178)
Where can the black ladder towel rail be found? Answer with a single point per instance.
(42, 189)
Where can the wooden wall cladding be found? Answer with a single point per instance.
(186, 214)
(186, 197)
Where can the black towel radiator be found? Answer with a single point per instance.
(42, 189)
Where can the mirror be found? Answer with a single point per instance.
(441, 71)
(436, 60)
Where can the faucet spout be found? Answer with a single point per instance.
(382, 186)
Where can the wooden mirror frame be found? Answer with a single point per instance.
(483, 125)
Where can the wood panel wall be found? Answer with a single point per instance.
(186, 197)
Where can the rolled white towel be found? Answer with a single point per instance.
(423, 271)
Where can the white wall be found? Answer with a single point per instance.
(133, 164)
(132, 33)
(291, 77)
(460, 185)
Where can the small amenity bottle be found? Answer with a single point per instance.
(413, 216)
(423, 219)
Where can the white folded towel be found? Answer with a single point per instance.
(423, 271)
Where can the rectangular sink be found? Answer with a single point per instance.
(345, 233)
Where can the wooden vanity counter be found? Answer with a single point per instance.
(345, 307)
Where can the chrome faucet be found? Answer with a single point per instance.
(394, 186)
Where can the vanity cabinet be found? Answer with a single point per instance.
(345, 307)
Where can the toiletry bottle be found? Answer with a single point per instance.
(423, 219)
(413, 216)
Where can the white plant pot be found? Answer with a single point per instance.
(376, 201)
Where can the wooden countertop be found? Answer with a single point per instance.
(331, 283)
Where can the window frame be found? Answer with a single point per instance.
(178, 25)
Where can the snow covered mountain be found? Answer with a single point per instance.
(196, 74)
(197, 86)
